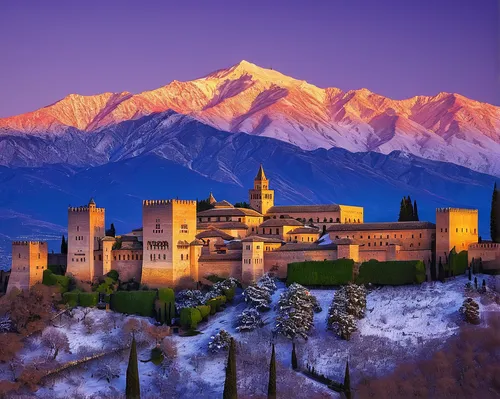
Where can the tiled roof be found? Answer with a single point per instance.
(213, 232)
(261, 239)
(222, 225)
(196, 242)
(304, 208)
(304, 230)
(281, 222)
(306, 247)
(260, 174)
(381, 226)
(223, 204)
(228, 212)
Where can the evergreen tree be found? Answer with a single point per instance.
(347, 382)
(475, 282)
(133, 389)
(409, 209)
(440, 271)
(402, 211)
(484, 285)
(294, 358)
(112, 230)
(64, 245)
(470, 272)
(415, 211)
(495, 215)
(230, 388)
(271, 387)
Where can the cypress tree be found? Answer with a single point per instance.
(484, 284)
(415, 211)
(470, 272)
(409, 209)
(347, 382)
(112, 230)
(440, 271)
(475, 282)
(133, 389)
(402, 211)
(495, 215)
(271, 387)
(64, 245)
(294, 358)
(230, 388)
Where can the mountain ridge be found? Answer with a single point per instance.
(247, 98)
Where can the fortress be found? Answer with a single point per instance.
(176, 242)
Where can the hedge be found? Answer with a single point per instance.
(328, 272)
(166, 294)
(56, 269)
(204, 310)
(50, 278)
(88, 299)
(113, 274)
(229, 293)
(216, 303)
(134, 302)
(457, 262)
(190, 317)
(391, 272)
(71, 298)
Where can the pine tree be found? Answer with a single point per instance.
(347, 382)
(495, 215)
(271, 387)
(415, 211)
(294, 358)
(230, 388)
(64, 245)
(133, 389)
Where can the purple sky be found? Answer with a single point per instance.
(398, 48)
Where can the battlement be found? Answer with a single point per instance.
(85, 209)
(462, 210)
(152, 203)
(26, 243)
(485, 245)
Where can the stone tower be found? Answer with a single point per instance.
(29, 260)
(252, 267)
(169, 228)
(455, 228)
(86, 226)
(261, 198)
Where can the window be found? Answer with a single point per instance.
(457, 230)
(184, 228)
(387, 235)
(19, 256)
(119, 257)
(164, 257)
(412, 236)
(386, 243)
(441, 229)
(420, 235)
(187, 257)
(182, 256)
(277, 231)
(77, 228)
(368, 237)
(248, 247)
(369, 244)
(446, 229)
(374, 244)
(380, 243)
(258, 246)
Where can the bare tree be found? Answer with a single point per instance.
(108, 369)
(157, 333)
(10, 344)
(55, 340)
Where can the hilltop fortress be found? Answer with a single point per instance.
(176, 242)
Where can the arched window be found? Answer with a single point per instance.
(182, 257)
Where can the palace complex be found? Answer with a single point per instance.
(176, 242)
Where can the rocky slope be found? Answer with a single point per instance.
(246, 98)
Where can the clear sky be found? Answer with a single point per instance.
(398, 48)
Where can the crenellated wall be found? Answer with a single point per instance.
(29, 260)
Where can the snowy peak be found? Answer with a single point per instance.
(261, 101)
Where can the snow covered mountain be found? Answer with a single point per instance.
(246, 98)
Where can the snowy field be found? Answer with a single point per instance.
(401, 324)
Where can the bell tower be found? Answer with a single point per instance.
(261, 198)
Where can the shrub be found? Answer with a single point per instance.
(50, 278)
(190, 317)
(166, 295)
(216, 304)
(71, 298)
(391, 272)
(214, 278)
(113, 274)
(229, 293)
(88, 299)
(108, 286)
(134, 302)
(204, 311)
(329, 272)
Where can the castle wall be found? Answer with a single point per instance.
(351, 214)
(29, 260)
(252, 266)
(455, 228)
(407, 239)
(58, 260)
(489, 253)
(220, 267)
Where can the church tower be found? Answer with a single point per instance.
(261, 198)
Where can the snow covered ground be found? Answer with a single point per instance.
(401, 324)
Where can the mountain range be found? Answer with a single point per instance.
(189, 138)
(246, 98)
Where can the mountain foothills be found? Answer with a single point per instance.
(92, 130)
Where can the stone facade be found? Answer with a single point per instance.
(488, 252)
(86, 226)
(455, 228)
(29, 260)
(261, 198)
